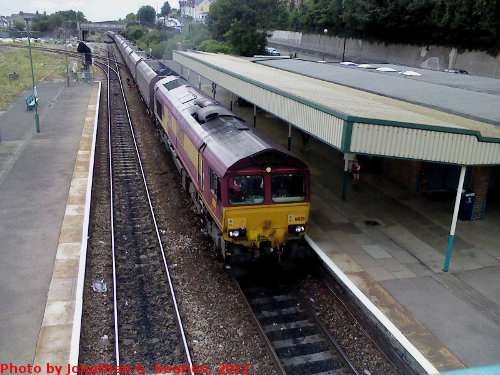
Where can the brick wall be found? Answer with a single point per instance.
(402, 172)
(479, 185)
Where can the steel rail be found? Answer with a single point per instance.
(324, 330)
(269, 346)
(113, 249)
(61, 52)
(170, 281)
(280, 360)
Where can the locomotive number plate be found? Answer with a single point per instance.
(296, 219)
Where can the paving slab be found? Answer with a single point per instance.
(450, 319)
(486, 281)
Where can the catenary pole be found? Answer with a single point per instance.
(37, 120)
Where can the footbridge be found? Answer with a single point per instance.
(85, 27)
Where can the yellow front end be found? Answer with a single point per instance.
(265, 223)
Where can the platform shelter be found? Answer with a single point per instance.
(358, 122)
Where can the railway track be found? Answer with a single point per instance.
(148, 326)
(297, 340)
(102, 60)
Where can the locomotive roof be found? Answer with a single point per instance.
(224, 138)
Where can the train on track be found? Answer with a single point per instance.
(252, 195)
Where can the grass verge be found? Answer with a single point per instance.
(46, 66)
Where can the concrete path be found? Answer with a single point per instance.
(35, 176)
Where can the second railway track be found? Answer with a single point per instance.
(148, 327)
(296, 338)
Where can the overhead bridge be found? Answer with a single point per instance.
(85, 27)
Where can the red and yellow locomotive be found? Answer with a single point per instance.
(251, 192)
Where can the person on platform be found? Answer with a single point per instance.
(355, 168)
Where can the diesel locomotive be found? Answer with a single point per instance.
(252, 195)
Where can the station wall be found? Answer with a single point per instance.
(429, 57)
(437, 179)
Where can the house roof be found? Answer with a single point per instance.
(198, 2)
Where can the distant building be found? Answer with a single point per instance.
(171, 22)
(202, 8)
(187, 8)
(22, 17)
(4, 22)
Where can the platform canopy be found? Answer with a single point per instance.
(352, 120)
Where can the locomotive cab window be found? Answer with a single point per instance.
(159, 109)
(215, 184)
(246, 190)
(288, 188)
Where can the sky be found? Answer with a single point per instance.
(94, 10)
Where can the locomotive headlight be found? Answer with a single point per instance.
(299, 228)
(237, 233)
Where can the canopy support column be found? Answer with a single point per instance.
(254, 116)
(348, 158)
(231, 103)
(199, 81)
(454, 220)
(289, 137)
(345, 178)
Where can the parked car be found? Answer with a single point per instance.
(272, 51)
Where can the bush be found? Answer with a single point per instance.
(215, 46)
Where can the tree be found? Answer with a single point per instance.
(55, 20)
(244, 23)
(134, 32)
(146, 14)
(71, 16)
(41, 23)
(214, 46)
(165, 9)
(468, 24)
(19, 25)
(131, 17)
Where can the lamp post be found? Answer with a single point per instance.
(343, 51)
(37, 120)
(345, 35)
(66, 52)
(324, 43)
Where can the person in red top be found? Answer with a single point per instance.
(355, 171)
(235, 193)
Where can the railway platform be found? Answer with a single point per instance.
(391, 244)
(43, 179)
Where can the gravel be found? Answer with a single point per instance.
(344, 328)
